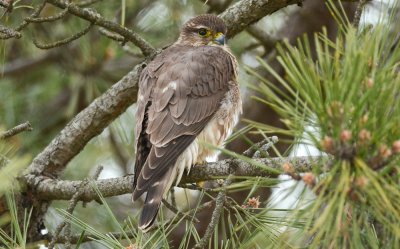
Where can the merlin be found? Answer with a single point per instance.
(188, 98)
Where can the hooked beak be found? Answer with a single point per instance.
(219, 38)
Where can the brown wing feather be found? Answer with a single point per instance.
(186, 85)
(143, 144)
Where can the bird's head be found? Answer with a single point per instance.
(203, 30)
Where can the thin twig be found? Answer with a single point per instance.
(219, 204)
(112, 36)
(72, 204)
(263, 150)
(259, 150)
(48, 18)
(7, 33)
(71, 207)
(92, 16)
(64, 41)
(17, 129)
(35, 14)
(87, 3)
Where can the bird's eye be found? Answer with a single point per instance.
(202, 32)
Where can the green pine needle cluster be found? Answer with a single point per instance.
(349, 92)
(10, 167)
(240, 229)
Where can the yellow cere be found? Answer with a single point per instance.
(218, 34)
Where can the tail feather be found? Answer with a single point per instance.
(153, 201)
(148, 216)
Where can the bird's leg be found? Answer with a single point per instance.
(172, 193)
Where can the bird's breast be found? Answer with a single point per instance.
(221, 125)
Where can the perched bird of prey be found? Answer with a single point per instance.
(188, 97)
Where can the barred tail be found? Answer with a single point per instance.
(155, 194)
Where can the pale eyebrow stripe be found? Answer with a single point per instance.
(201, 27)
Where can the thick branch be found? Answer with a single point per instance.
(246, 12)
(51, 189)
(86, 125)
(240, 15)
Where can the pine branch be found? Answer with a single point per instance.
(52, 189)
